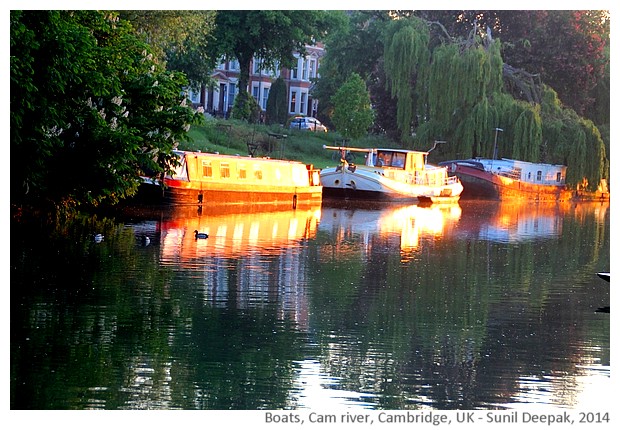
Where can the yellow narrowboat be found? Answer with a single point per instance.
(206, 178)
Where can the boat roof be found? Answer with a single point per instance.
(510, 160)
(405, 151)
(235, 157)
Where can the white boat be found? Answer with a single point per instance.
(389, 174)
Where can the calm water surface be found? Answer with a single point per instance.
(472, 305)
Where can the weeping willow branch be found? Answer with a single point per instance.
(523, 84)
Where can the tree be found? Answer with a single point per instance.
(447, 78)
(353, 45)
(277, 103)
(568, 49)
(91, 109)
(269, 35)
(246, 107)
(406, 64)
(352, 114)
(179, 38)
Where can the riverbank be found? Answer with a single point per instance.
(237, 137)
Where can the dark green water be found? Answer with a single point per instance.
(475, 305)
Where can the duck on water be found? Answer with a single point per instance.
(198, 235)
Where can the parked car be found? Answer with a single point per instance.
(306, 123)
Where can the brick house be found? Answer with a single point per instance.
(219, 99)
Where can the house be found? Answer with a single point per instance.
(219, 98)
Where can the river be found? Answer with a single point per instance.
(475, 305)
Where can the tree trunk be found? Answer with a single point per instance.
(245, 59)
(241, 99)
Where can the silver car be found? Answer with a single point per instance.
(307, 123)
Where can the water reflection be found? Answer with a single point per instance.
(471, 305)
(233, 234)
(402, 225)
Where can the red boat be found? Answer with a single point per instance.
(510, 179)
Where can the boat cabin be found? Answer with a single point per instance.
(397, 159)
(535, 173)
(199, 167)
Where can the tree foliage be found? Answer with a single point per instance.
(406, 64)
(277, 103)
(353, 45)
(178, 37)
(246, 107)
(91, 109)
(352, 114)
(459, 89)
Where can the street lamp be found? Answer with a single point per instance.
(497, 130)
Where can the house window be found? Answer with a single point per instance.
(539, 176)
(207, 169)
(293, 101)
(294, 71)
(265, 97)
(231, 94)
(256, 66)
(312, 68)
(302, 106)
(225, 170)
(234, 65)
(255, 93)
(304, 70)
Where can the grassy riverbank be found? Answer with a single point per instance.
(233, 137)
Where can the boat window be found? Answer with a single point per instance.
(224, 170)
(539, 175)
(558, 177)
(242, 171)
(398, 160)
(207, 169)
(383, 159)
(258, 172)
(180, 172)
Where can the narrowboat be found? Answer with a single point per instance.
(389, 174)
(504, 178)
(210, 178)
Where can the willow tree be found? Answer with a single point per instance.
(454, 91)
(406, 64)
(574, 141)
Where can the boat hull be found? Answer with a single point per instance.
(177, 192)
(479, 183)
(347, 182)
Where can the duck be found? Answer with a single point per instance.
(200, 235)
(146, 240)
(98, 238)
